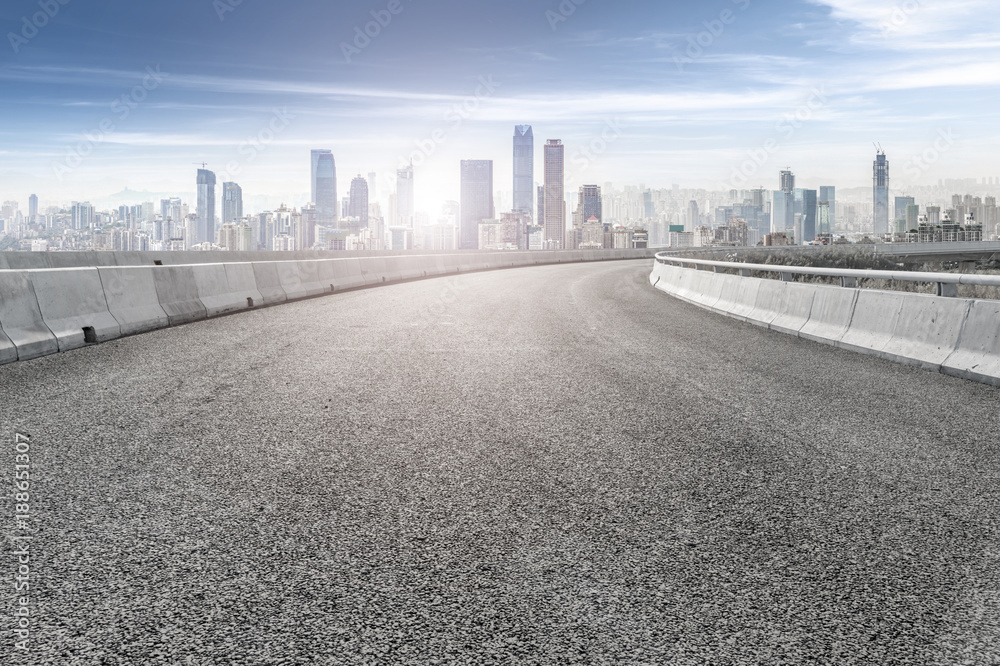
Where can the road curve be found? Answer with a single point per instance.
(549, 465)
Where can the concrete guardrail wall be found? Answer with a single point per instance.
(954, 336)
(51, 303)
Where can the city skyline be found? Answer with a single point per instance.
(595, 77)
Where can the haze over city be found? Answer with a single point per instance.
(112, 96)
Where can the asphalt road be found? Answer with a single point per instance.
(549, 465)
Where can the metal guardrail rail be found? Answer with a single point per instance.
(947, 283)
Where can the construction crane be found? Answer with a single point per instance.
(203, 165)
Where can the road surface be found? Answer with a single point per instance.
(548, 465)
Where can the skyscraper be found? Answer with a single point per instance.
(358, 206)
(590, 204)
(828, 193)
(880, 186)
(404, 197)
(694, 219)
(899, 216)
(205, 230)
(783, 204)
(32, 208)
(232, 203)
(477, 201)
(554, 224)
(524, 169)
(324, 185)
(806, 213)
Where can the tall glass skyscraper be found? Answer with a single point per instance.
(828, 193)
(880, 186)
(206, 207)
(477, 201)
(555, 194)
(806, 205)
(358, 206)
(524, 169)
(324, 185)
(404, 197)
(232, 203)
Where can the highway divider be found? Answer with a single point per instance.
(49, 302)
(954, 336)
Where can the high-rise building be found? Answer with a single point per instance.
(694, 218)
(880, 190)
(899, 214)
(589, 205)
(83, 215)
(806, 213)
(232, 203)
(372, 192)
(828, 193)
(477, 201)
(404, 197)
(524, 169)
(540, 203)
(555, 194)
(786, 181)
(358, 206)
(32, 208)
(823, 225)
(205, 232)
(324, 185)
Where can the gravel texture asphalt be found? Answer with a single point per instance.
(551, 465)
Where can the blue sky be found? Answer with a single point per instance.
(131, 94)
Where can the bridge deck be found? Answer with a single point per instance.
(537, 465)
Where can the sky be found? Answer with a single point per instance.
(99, 97)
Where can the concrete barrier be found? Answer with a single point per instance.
(177, 292)
(977, 354)
(268, 283)
(769, 303)
(21, 319)
(347, 274)
(795, 308)
(876, 314)
(310, 279)
(928, 330)
(291, 282)
(745, 298)
(130, 292)
(830, 315)
(226, 288)
(74, 307)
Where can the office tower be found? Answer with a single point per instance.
(934, 215)
(372, 192)
(555, 196)
(899, 214)
(205, 231)
(589, 205)
(32, 208)
(358, 206)
(83, 215)
(648, 209)
(757, 197)
(786, 180)
(880, 191)
(828, 193)
(477, 201)
(404, 197)
(232, 203)
(324, 185)
(694, 218)
(823, 226)
(806, 204)
(524, 169)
